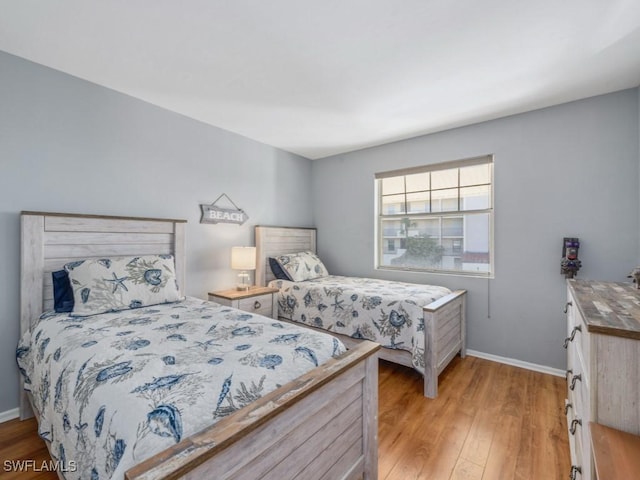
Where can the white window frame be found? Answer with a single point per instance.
(380, 217)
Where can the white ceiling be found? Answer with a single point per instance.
(328, 76)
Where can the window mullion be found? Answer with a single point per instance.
(459, 206)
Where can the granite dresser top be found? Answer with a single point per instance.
(611, 308)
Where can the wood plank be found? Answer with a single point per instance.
(446, 350)
(107, 217)
(444, 361)
(106, 250)
(618, 370)
(546, 430)
(296, 428)
(92, 238)
(505, 449)
(48, 305)
(418, 459)
(321, 465)
(616, 453)
(401, 357)
(32, 261)
(447, 339)
(466, 470)
(430, 355)
(485, 394)
(610, 308)
(179, 251)
(289, 246)
(443, 301)
(370, 418)
(449, 319)
(351, 456)
(31, 264)
(104, 224)
(301, 447)
(463, 326)
(19, 442)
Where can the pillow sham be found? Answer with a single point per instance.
(277, 270)
(62, 292)
(302, 266)
(121, 283)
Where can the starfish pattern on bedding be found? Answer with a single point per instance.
(117, 282)
(337, 304)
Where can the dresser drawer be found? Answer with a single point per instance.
(577, 334)
(580, 458)
(259, 304)
(576, 441)
(258, 300)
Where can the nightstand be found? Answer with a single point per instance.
(260, 300)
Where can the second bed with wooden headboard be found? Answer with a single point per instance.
(391, 309)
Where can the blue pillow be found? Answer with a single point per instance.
(277, 270)
(62, 292)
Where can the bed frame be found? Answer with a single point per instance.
(321, 425)
(444, 319)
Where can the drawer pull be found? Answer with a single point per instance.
(570, 338)
(574, 380)
(567, 407)
(257, 305)
(574, 470)
(566, 306)
(574, 424)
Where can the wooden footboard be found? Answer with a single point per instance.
(445, 336)
(323, 425)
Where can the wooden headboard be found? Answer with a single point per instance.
(274, 241)
(49, 240)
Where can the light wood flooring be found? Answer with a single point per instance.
(490, 422)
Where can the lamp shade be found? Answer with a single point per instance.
(243, 258)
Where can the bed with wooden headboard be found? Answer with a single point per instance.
(291, 428)
(444, 319)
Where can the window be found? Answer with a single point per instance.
(437, 217)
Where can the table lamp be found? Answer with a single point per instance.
(243, 259)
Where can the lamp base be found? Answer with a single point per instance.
(243, 282)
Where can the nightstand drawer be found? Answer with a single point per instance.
(260, 304)
(258, 300)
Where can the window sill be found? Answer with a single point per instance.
(449, 273)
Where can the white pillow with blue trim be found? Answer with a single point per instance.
(121, 283)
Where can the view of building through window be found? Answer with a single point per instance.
(437, 218)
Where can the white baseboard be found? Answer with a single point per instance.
(518, 363)
(9, 415)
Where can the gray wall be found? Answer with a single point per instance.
(70, 146)
(67, 145)
(569, 170)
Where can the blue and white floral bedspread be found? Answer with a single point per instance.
(114, 389)
(386, 312)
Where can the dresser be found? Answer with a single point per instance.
(603, 364)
